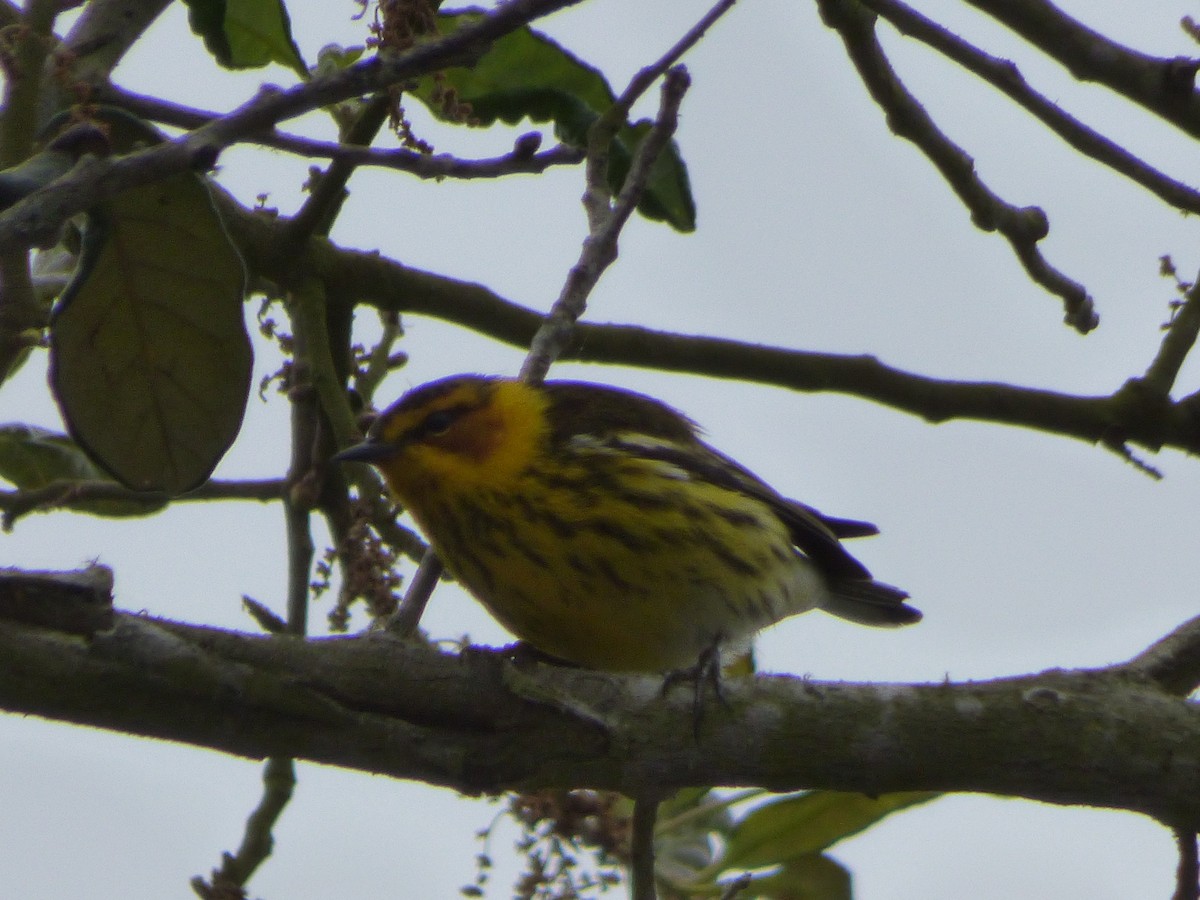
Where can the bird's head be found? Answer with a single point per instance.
(459, 433)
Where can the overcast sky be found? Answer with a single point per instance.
(818, 230)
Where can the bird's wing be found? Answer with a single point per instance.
(816, 535)
(633, 424)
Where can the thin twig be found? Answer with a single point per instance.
(641, 82)
(597, 198)
(299, 501)
(1119, 447)
(641, 850)
(301, 551)
(80, 495)
(279, 780)
(516, 162)
(1176, 344)
(1187, 873)
(328, 190)
(1022, 227)
(407, 617)
(1172, 662)
(606, 221)
(1006, 77)
(308, 311)
(379, 362)
(519, 161)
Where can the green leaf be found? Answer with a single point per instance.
(149, 357)
(335, 58)
(802, 824)
(683, 845)
(525, 75)
(812, 877)
(246, 34)
(33, 458)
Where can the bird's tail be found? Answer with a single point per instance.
(869, 603)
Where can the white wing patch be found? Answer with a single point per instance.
(666, 470)
(633, 443)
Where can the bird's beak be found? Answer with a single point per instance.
(368, 451)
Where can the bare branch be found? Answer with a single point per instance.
(1187, 884)
(1172, 663)
(80, 495)
(1022, 227)
(597, 198)
(1006, 77)
(641, 856)
(605, 223)
(520, 161)
(279, 780)
(104, 32)
(1143, 417)
(606, 215)
(1164, 86)
(517, 162)
(1177, 343)
(407, 617)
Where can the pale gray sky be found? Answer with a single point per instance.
(817, 230)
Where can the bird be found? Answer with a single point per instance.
(597, 526)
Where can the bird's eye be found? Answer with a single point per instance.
(439, 421)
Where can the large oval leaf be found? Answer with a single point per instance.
(149, 357)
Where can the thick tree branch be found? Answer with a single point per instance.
(1131, 414)
(479, 722)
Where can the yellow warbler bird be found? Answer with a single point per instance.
(595, 524)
